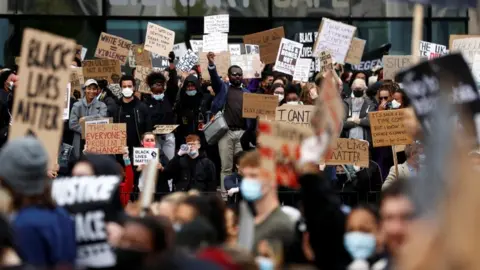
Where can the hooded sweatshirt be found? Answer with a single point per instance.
(189, 108)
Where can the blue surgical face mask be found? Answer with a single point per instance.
(191, 93)
(265, 263)
(360, 245)
(177, 227)
(193, 153)
(251, 189)
(159, 96)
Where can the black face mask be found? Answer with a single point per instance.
(358, 93)
(130, 258)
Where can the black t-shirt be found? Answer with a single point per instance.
(233, 108)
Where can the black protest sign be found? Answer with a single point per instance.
(288, 53)
(40, 97)
(159, 61)
(308, 40)
(373, 58)
(89, 199)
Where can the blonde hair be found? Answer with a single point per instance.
(305, 94)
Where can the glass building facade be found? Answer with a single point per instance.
(377, 21)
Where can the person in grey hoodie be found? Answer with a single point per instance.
(87, 107)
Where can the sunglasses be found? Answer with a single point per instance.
(383, 98)
(236, 74)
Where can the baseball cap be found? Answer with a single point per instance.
(90, 82)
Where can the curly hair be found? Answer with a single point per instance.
(155, 77)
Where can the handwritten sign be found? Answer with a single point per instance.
(39, 100)
(216, 42)
(295, 114)
(197, 45)
(334, 37)
(257, 105)
(102, 69)
(235, 49)
(187, 61)
(468, 47)
(95, 120)
(222, 62)
(250, 64)
(88, 210)
(106, 138)
(348, 152)
(142, 57)
(431, 50)
(113, 47)
(76, 79)
(395, 63)
(325, 62)
(287, 56)
(179, 49)
(388, 129)
(164, 129)
(141, 74)
(355, 52)
(268, 41)
(142, 156)
(302, 70)
(216, 24)
(159, 40)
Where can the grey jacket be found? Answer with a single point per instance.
(81, 109)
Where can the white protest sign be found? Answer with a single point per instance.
(334, 37)
(197, 45)
(468, 47)
(180, 49)
(142, 156)
(216, 24)
(187, 61)
(84, 52)
(288, 54)
(431, 50)
(89, 200)
(235, 49)
(302, 70)
(215, 42)
(250, 64)
(159, 40)
(252, 49)
(476, 68)
(66, 109)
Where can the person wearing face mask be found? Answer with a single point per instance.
(160, 108)
(291, 95)
(356, 124)
(409, 168)
(229, 99)
(270, 221)
(191, 168)
(89, 106)
(279, 91)
(400, 99)
(133, 113)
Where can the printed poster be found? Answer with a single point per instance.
(287, 57)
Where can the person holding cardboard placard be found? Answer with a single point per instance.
(229, 100)
(357, 124)
(409, 168)
(88, 106)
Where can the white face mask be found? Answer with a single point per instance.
(72, 66)
(280, 96)
(127, 92)
(293, 103)
(396, 104)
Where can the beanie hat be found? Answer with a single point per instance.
(23, 166)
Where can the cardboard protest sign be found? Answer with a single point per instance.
(326, 62)
(268, 41)
(280, 150)
(142, 156)
(106, 138)
(259, 105)
(89, 209)
(334, 37)
(467, 46)
(142, 57)
(141, 74)
(302, 70)
(388, 129)
(89, 120)
(395, 63)
(102, 69)
(196, 45)
(455, 37)
(39, 99)
(164, 129)
(288, 54)
(66, 108)
(216, 24)
(76, 80)
(159, 40)
(250, 64)
(431, 50)
(252, 49)
(113, 47)
(349, 152)
(215, 42)
(222, 62)
(179, 49)
(295, 114)
(355, 52)
(235, 49)
(187, 61)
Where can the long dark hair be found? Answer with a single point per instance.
(43, 200)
